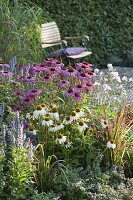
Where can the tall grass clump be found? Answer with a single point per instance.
(20, 31)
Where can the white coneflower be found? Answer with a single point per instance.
(67, 144)
(44, 110)
(59, 126)
(79, 113)
(67, 120)
(54, 113)
(52, 128)
(73, 116)
(82, 126)
(37, 112)
(103, 123)
(47, 121)
(61, 138)
(111, 145)
(32, 129)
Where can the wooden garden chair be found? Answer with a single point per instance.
(50, 36)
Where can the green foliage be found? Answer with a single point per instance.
(109, 25)
(16, 178)
(20, 32)
(128, 158)
(92, 183)
(45, 196)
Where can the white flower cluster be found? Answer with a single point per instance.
(111, 145)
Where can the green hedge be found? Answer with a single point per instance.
(108, 23)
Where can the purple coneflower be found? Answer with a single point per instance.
(83, 76)
(77, 96)
(83, 66)
(47, 78)
(69, 92)
(78, 88)
(18, 93)
(34, 92)
(26, 100)
(5, 74)
(88, 85)
(29, 79)
(70, 72)
(17, 107)
(63, 83)
(32, 70)
(53, 71)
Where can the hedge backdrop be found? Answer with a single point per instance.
(108, 23)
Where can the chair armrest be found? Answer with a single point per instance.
(77, 37)
(56, 42)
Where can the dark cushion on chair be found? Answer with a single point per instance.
(67, 52)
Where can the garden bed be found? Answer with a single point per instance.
(66, 133)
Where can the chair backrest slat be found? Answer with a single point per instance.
(50, 33)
